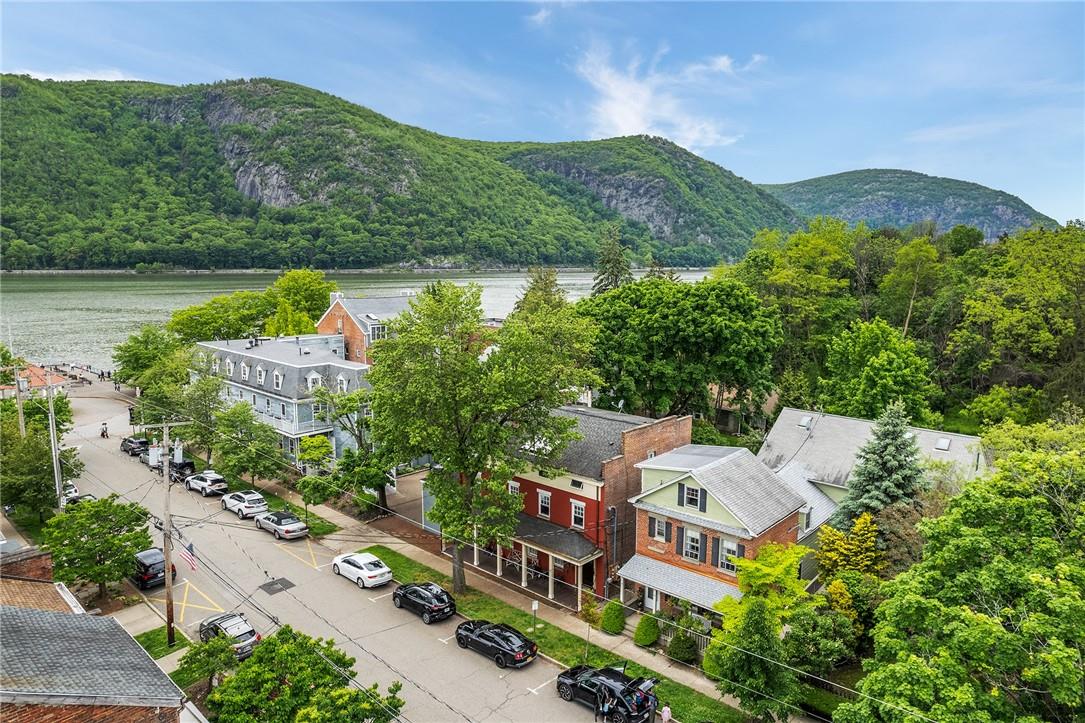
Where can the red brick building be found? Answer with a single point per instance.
(360, 321)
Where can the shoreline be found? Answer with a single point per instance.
(329, 272)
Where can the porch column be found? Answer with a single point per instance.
(621, 590)
(499, 560)
(550, 589)
(523, 565)
(579, 583)
(476, 546)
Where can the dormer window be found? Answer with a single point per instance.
(341, 384)
(378, 332)
(229, 367)
(244, 371)
(259, 375)
(215, 364)
(313, 381)
(693, 497)
(277, 379)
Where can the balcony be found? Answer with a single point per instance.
(294, 428)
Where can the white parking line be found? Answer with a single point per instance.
(318, 567)
(445, 640)
(535, 691)
(375, 599)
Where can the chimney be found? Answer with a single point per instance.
(335, 296)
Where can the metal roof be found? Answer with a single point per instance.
(562, 541)
(698, 589)
(383, 308)
(601, 432)
(61, 658)
(687, 457)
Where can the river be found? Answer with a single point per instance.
(79, 318)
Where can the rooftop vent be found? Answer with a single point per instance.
(805, 421)
(942, 445)
(304, 351)
(371, 317)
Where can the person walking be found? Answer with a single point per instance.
(665, 713)
(104, 431)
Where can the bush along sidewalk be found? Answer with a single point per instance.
(568, 649)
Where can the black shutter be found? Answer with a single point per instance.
(681, 494)
(715, 552)
(667, 532)
(651, 527)
(703, 499)
(680, 540)
(704, 547)
(741, 551)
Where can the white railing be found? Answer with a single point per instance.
(291, 426)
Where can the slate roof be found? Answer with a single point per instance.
(555, 538)
(601, 431)
(826, 451)
(60, 658)
(382, 307)
(681, 583)
(692, 517)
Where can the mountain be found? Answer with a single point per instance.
(886, 197)
(264, 173)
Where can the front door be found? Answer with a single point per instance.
(651, 599)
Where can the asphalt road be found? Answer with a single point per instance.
(441, 682)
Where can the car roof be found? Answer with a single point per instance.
(152, 555)
(365, 557)
(249, 493)
(282, 514)
(210, 473)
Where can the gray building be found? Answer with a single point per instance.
(279, 377)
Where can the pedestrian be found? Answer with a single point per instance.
(600, 714)
(665, 713)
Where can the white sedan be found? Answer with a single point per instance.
(363, 568)
(247, 503)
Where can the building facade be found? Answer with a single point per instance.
(360, 322)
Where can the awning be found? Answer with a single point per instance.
(698, 589)
(561, 541)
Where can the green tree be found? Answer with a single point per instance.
(854, 550)
(209, 660)
(870, 365)
(910, 287)
(26, 467)
(1023, 405)
(162, 395)
(961, 239)
(141, 351)
(990, 625)
(542, 293)
(305, 291)
(474, 398)
(887, 470)
(239, 315)
(8, 360)
(589, 608)
(612, 266)
(1064, 431)
(246, 446)
(288, 322)
(97, 541)
(818, 639)
(316, 452)
(661, 344)
(656, 271)
(353, 705)
(365, 468)
(747, 667)
(36, 411)
(201, 400)
(773, 578)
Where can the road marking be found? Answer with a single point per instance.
(329, 562)
(184, 603)
(375, 599)
(311, 562)
(445, 640)
(535, 690)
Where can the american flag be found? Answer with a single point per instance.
(188, 554)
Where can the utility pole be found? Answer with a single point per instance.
(167, 529)
(57, 477)
(18, 398)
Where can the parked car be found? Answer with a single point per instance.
(208, 482)
(233, 626)
(134, 446)
(247, 503)
(76, 499)
(502, 643)
(633, 699)
(151, 569)
(281, 524)
(363, 568)
(425, 598)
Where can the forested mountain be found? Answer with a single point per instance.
(883, 197)
(265, 173)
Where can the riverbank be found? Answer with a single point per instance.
(467, 271)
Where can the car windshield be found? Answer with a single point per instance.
(253, 499)
(245, 635)
(373, 566)
(288, 520)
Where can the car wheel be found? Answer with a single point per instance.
(258, 525)
(500, 660)
(224, 507)
(188, 486)
(203, 492)
(361, 583)
(335, 569)
(277, 535)
(426, 618)
(617, 717)
(461, 641)
(240, 514)
(398, 602)
(565, 692)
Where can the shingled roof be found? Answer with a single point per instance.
(60, 658)
(601, 432)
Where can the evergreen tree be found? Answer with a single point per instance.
(888, 470)
(747, 667)
(656, 271)
(542, 292)
(612, 266)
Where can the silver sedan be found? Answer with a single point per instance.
(282, 525)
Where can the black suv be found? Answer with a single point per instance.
(233, 626)
(151, 569)
(504, 644)
(134, 446)
(425, 598)
(633, 699)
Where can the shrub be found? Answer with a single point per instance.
(589, 608)
(613, 618)
(647, 632)
(682, 647)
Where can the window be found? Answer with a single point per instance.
(254, 400)
(728, 551)
(341, 384)
(244, 371)
(267, 406)
(277, 379)
(576, 484)
(282, 409)
(659, 529)
(314, 382)
(693, 497)
(693, 546)
(578, 515)
(339, 325)
(215, 364)
(544, 504)
(514, 487)
(229, 367)
(378, 332)
(942, 445)
(259, 375)
(651, 453)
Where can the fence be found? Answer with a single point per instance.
(667, 630)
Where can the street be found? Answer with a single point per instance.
(244, 569)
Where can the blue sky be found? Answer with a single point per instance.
(986, 92)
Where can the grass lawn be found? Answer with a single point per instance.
(955, 421)
(26, 521)
(569, 649)
(184, 679)
(154, 642)
(820, 701)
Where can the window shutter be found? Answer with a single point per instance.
(651, 527)
(703, 499)
(667, 532)
(704, 547)
(741, 551)
(680, 540)
(715, 552)
(681, 494)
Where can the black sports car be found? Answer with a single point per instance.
(505, 645)
(633, 699)
(425, 598)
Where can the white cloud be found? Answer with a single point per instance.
(542, 17)
(632, 100)
(960, 132)
(76, 74)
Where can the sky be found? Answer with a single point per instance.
(987, 92)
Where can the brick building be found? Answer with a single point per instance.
(360, 321)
